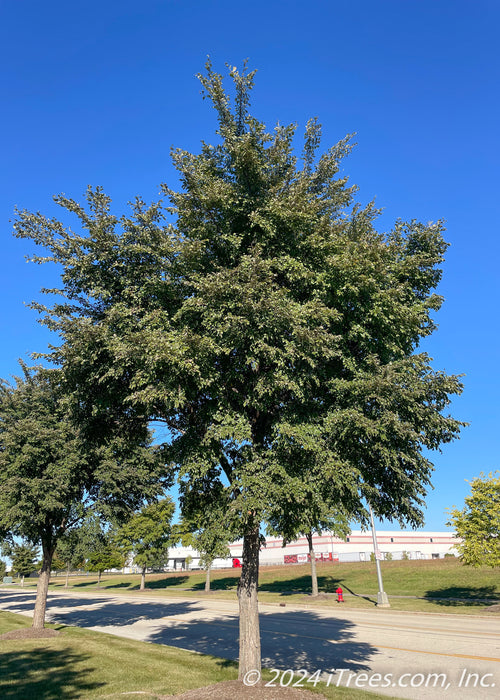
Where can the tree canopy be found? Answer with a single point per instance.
(262, 317)
(478, 523)
(52, 476)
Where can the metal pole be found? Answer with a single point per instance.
(382, 599)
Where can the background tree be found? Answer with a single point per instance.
(211, 543)
(3, 568)
(147, 535)
(24, 557)
(204, 529)
(99, 547)
(270, 327)
(478, 523)
(57, 564)
(69, 551)
(105, 558)
(51, 475)
(310, 507)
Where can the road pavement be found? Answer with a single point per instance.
(406, 655)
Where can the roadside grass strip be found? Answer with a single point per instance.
(80, 663)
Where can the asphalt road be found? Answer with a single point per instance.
(406, 655)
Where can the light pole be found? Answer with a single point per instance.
(382, 599)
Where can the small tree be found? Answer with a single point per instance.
(204, 526)
(3, 568)
(24, 559)
(99, 547)
(211, 543)
(310, 508)
(478, 523)
(69, 551)
(105, 558)
(148, 535)
(57, 563)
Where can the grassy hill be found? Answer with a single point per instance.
(442, 585)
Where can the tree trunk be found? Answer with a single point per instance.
(249, 658)
(42, 588)
(312, 556)
(22, 581)
(207, 580)
(143, 579)
(99, 574)
(67, 577)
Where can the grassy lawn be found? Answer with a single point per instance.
(443, 585)
(84, 664)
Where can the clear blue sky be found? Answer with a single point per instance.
(98, 92)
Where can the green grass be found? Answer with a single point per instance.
(443, 585)
(80, 663)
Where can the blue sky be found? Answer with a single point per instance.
(98, 92)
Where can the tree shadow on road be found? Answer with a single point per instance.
(103, 611)
(20, 604)
(153, 584)
(112, 613)
(315, 643)
(13, 597)
(44, 674)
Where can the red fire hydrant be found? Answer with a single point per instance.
(340, 595)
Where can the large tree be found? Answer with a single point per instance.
(266, 321)
(51, 475)
(478, 522)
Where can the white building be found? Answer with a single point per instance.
(400, 544)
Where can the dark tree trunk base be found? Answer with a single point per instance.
(42, 589)
(249, 657)
(312, 557)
